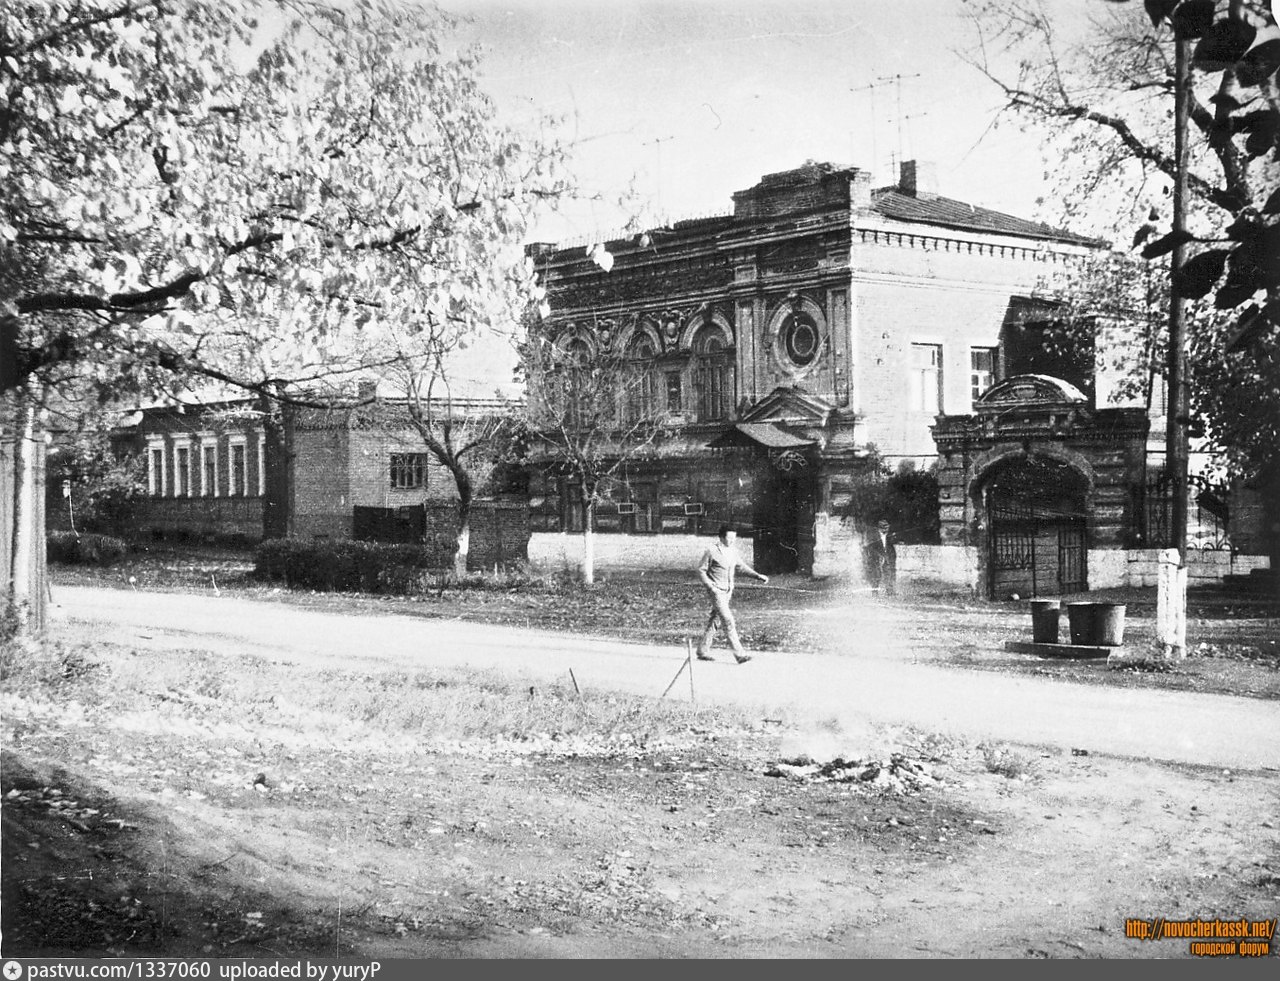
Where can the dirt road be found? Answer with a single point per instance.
(256, 777)
(871, 681)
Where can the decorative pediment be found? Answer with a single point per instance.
(1030, 390)
(790, 405)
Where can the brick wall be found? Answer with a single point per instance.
(894, 310)
(499, 532)
(1204, 566)
(321, 486)
(553, 552)
(198, 519)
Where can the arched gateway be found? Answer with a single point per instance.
(1036, 479)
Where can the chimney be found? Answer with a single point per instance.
(918, 178)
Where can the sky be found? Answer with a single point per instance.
(694, 99)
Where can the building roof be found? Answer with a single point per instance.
(933, 209)
(762, 433)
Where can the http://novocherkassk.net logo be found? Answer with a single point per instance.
(1208, 938)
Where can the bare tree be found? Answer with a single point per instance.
(589, 413)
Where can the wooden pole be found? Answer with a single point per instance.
(688, 659)
(683, 665)
(1176, 438)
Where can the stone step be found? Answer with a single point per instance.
(1058, 650)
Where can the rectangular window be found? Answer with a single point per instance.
(209, 470)
(674, 399)
(643, 396)
(926, 378)
(408, 470)
(982, 371)
(155, 471)
(239, 474)
(182, 476)
(715, 391)
(645, 517)
(714, 497)
(575, 510)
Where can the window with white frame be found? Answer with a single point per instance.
(982, 371)
(262, 465)
(156, 483)
(925, 378)
(182, 472)
(209, 468)
(239, 470)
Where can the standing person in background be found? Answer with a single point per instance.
(717, 569)
(882, 559)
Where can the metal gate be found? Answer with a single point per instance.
(1034, 551)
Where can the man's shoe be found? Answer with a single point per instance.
(705, 657)
(742, 658)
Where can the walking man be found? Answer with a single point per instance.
(717, 569)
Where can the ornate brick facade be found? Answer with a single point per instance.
(854, 318)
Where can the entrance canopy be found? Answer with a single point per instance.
(767, 434)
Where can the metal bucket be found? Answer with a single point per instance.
(1096, 624)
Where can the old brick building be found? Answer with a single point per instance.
(219, 472)
(819, 319)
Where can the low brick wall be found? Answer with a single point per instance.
(1205, 567)
(551, 551)
(954, 566)
(199, 518)
(499, 532)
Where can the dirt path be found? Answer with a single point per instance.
(872, 681)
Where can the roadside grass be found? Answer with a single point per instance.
(428, 708)
(1006, 761)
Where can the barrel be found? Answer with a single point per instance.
(1044, 621)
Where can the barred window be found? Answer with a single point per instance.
(408, 470)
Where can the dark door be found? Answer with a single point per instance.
(784, 518)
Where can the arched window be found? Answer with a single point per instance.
(713, 375)
(641, 395)
(577, 381)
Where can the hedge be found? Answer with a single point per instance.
(88, 549)
(346, 566)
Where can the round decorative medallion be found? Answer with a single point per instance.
(800, 339)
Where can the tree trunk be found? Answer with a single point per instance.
(277, 512)
(588, 541)
(464, 544)
(26, 559)
(460, 557)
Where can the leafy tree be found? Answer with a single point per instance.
(589, 413)
(243, 193)
(1104, 92)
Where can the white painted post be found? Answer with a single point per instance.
(1171, 606)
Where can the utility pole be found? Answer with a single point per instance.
(1171, 612)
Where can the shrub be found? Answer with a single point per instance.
(72, 549)
(345, 566)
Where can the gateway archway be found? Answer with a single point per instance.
(1037, 528)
